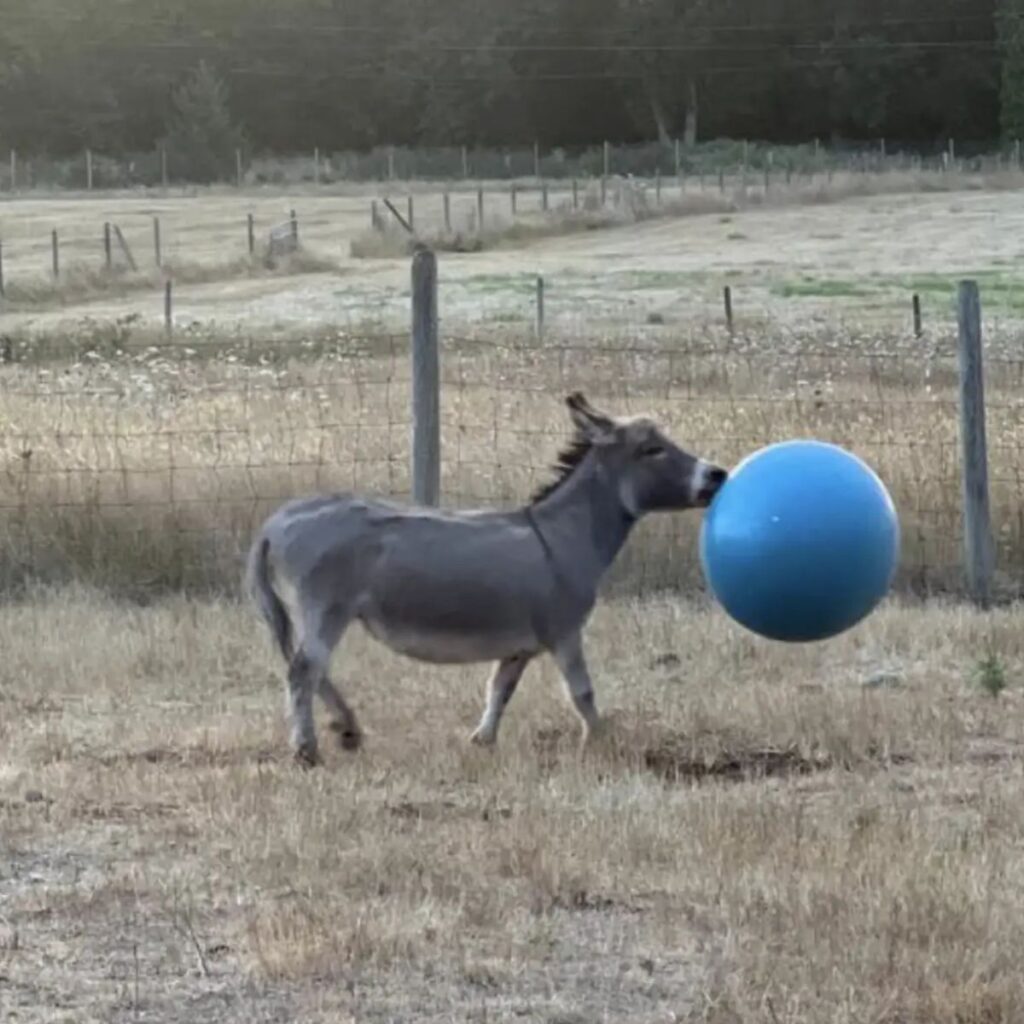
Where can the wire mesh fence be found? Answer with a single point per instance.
(146, 470)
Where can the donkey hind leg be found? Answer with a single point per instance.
(307, 674)
(502, 684)
(573, 666)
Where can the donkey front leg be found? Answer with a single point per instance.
(501, 686)
(573, 666)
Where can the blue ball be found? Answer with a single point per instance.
(801, 543)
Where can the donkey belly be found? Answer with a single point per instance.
(426, 641)
(454, 618)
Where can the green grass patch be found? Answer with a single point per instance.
(500, 284)
(999, 289)
(811, 287)
(654, 280)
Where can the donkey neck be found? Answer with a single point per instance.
(585, 521)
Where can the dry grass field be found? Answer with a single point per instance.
(770, 833)
(767, 834)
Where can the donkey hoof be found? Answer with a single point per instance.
(483, 738)
(347, 737)
(307, 757)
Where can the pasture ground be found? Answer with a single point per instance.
(769, 834)
(859, 259)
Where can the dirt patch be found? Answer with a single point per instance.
(674, 764)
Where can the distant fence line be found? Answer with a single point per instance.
(90, 170)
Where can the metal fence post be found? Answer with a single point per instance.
(426, 382)
(978, 543)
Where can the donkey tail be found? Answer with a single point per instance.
(270, 605)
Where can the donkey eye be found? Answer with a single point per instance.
(652, 451)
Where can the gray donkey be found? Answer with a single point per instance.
(459, 587)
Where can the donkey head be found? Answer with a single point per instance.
(652, 473)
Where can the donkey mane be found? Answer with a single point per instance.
(569, 459)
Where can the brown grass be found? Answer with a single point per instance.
(164, 860)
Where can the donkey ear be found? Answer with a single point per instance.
(594, 425)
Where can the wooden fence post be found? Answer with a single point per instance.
(168, 308)
(55, 253)
(156, 241)
(540, 307)
(125, 247)
(316, 165)
(426, 381)
(374, 215)
(727, 298)
(412, 214)
(251, 226)
(238, 168)
(480, 209)
(536, 160)
(544, 196)
(978, 542)
(391, 163)
(294, 220)
(918, 327)
(107, 248)
(679, 162)
(575, 194)
(447, 212)
(88, 169)
(513, 199)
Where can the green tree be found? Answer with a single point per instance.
(1011, 43)
(202, 138)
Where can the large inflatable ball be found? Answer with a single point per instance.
(801, 543)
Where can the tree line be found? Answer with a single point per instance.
(117, 76)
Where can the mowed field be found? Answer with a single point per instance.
(862, 257)
(768, 833)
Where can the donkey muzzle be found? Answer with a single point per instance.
(708, 481)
